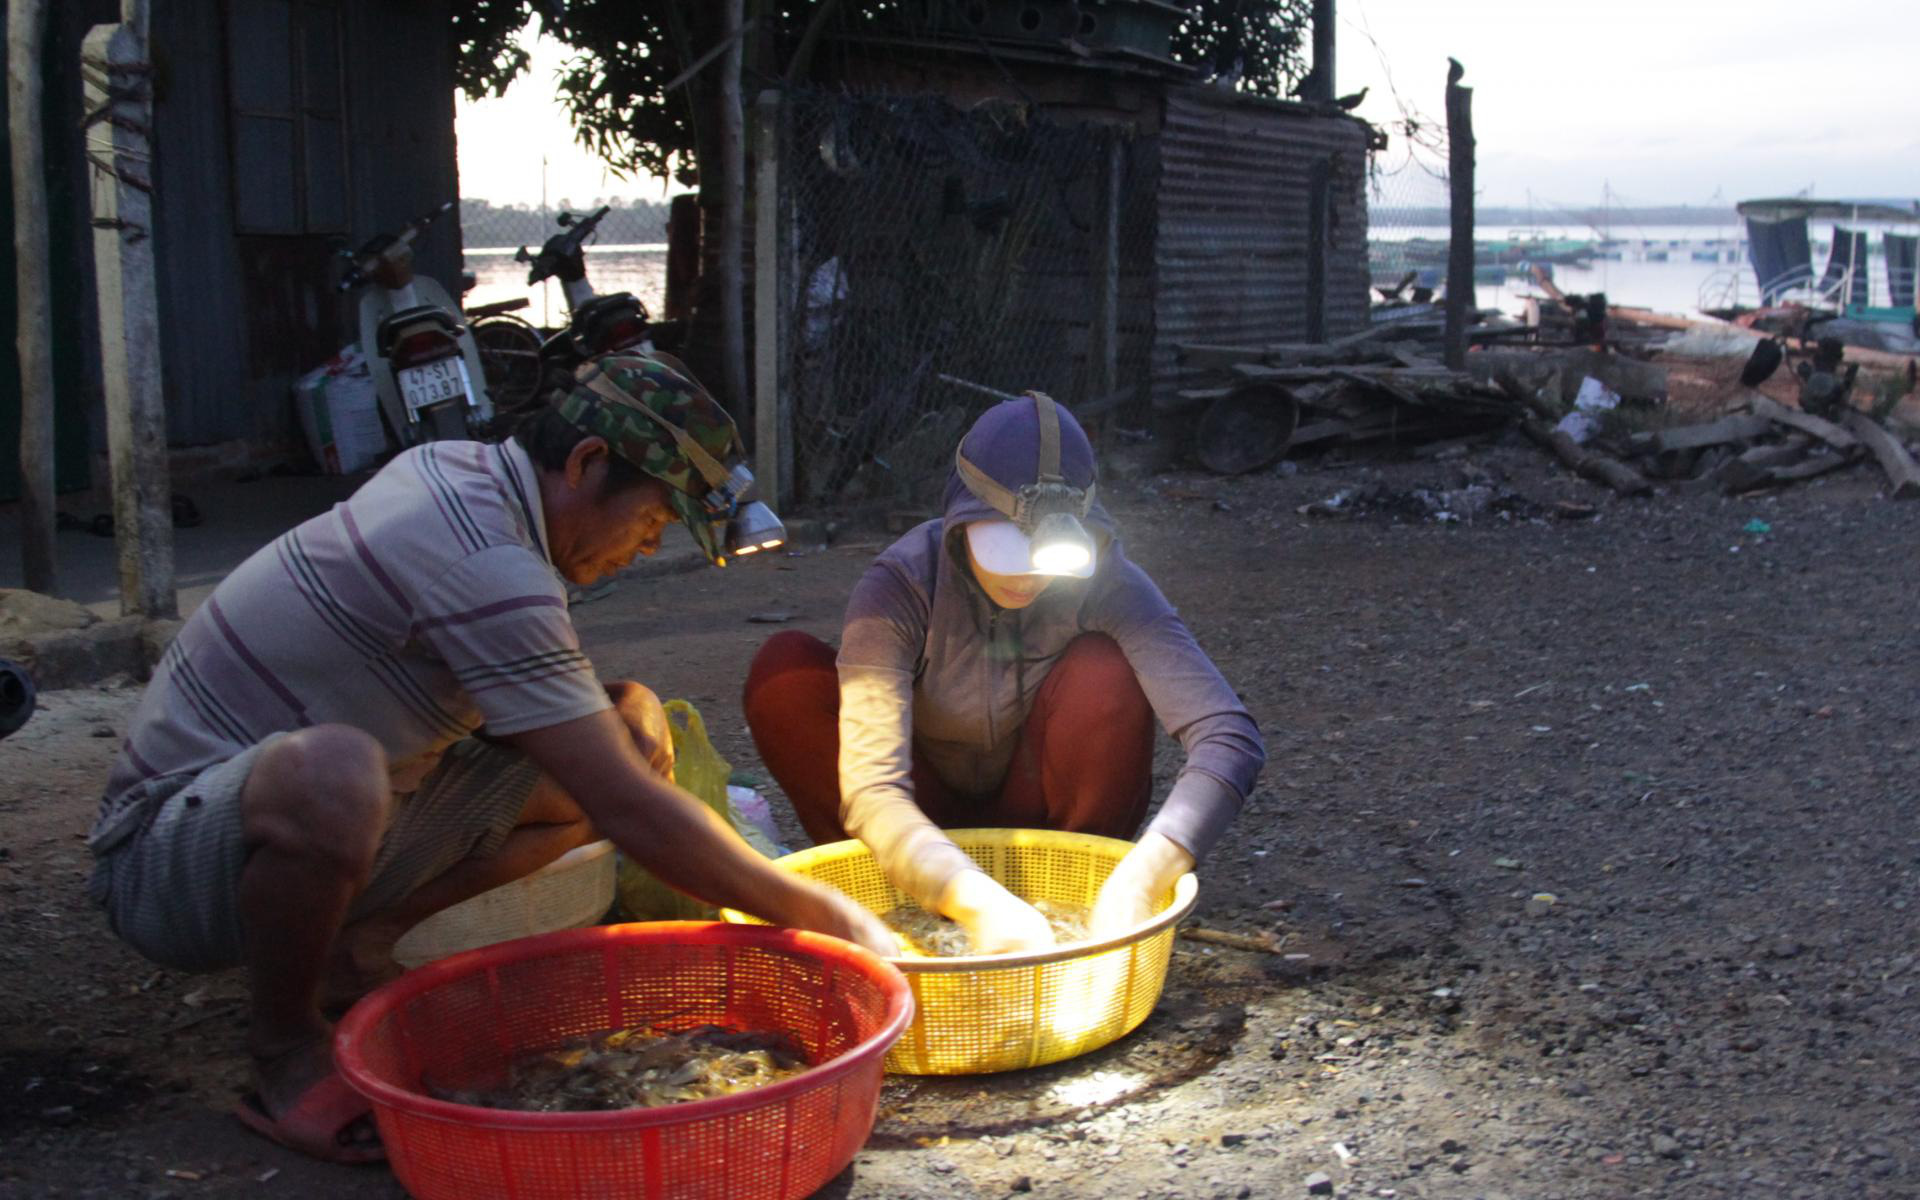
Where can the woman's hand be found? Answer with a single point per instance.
(996, 920)
(1128, 898)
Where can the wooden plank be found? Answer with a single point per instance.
(1204, 354)
(1755, 468)
(1203, 394)
(1833, 435)
(1588, 464)
(1815, 464)
(1903, 473)
(1735, 427)
(1320, 431)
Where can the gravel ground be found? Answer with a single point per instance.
(1587, 848)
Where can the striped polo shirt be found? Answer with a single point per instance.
(421, 609)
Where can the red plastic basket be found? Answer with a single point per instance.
(459, 1022)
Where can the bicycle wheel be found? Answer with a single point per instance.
(510, 359)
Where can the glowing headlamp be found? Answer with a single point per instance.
(1060, 545)
(751, 525)
(1048, 510)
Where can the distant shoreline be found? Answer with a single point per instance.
(1521, 217)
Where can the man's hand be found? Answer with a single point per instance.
(1128, 897)
(640, 711)
(825, 910)
(996, 920)
(672, 834)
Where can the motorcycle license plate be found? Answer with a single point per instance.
(431, 383)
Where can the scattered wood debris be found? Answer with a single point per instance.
(1387, 383)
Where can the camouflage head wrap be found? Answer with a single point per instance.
(665, 387)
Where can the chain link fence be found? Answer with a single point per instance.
(935, 256)
(1408, 208)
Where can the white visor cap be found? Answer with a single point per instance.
(1000, 547)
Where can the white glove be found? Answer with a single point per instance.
(1127, 899)
(996, 920)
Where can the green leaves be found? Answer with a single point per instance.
(626, 53)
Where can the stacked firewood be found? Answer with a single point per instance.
(1382, 384)
(1767, 444)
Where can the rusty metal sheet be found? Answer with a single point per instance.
(1231, 259)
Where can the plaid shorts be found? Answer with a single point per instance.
(172, 888)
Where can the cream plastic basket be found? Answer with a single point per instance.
(573, 890)
(1002, 1012)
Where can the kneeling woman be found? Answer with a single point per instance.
(1003, 666)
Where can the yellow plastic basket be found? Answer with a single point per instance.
(1003, 1012)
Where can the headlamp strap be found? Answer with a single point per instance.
(1006, 501)
(985, 486)
(594, 376)
(1048, 414)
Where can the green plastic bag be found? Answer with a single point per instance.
(698, 768)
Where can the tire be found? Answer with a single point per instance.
(16, 696)
(510, 360)
(446, 422)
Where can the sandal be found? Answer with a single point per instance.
(321, 1122)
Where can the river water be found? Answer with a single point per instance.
(1683, 283)
(640, 269)
(1667, 268)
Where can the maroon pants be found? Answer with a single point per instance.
(1084, 762)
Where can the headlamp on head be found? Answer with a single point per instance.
(1048, 510)
(751, 525)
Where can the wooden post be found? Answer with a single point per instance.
(1460, 245)
(733, 203)
(26, 32)
(1103, 332)
(120, 146)
(1322, 70)
(770, 440)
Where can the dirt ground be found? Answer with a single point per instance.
(1689, 721)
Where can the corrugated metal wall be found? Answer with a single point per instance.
(1235, 233)
(243, 313)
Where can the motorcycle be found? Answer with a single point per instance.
(426, 369)
(595, 324)
(509, 352)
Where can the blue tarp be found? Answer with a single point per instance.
(1782, 259)
(1901, 253)
(1847, 266)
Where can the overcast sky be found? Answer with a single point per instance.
(1665, 101)
(1661, 101)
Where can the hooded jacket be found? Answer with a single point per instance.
(927, 660)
